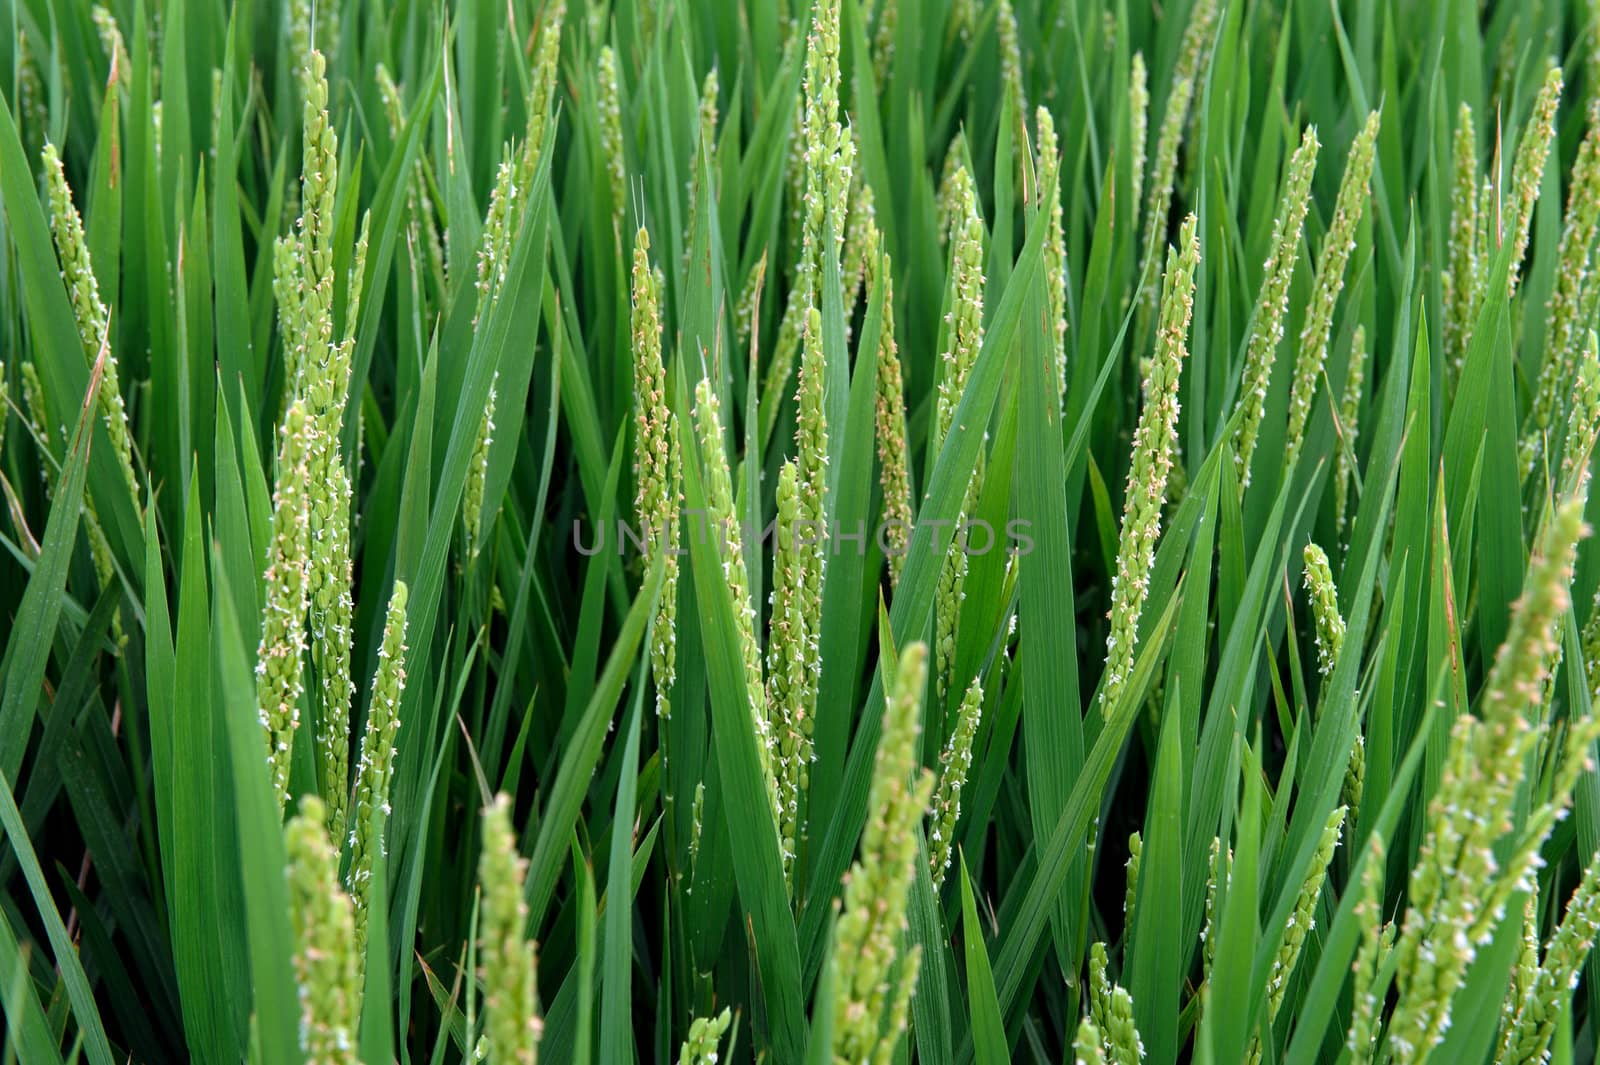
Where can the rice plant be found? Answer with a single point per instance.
(799, 531)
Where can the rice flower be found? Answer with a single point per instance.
(883, 40)
(1330, 633)
(946, 206)
(1192, 51)
(1272, 304)
(375, 768)
(323, 377)
(875, 976)
(32, 104)
(111, 42)
(34, 407)
(1350, 425)
(300, 28)
(1302, 918)
(963, 19)
(1557, 978)
(710, 90)
(1524, 973)
(494, 249)
(1219, 874)
(1376, 938)
(828, 152)
(1325, 608)
(656, 468)
(700, 1047)
(1138, 124)
(280, 660)
(1153, 443)
(325, 965)
(707, 132)
(1055, 247)
(1130, 893)
(512, 1025)
(1453, 885)
(1571, 276)
(955, 762)
(964, 300)
(860, 242)
(725, 529)
(1186, 82)
(1011, 74)
(1164, 172)
(419, 205)
(786, 666)
(784, 352)
(1463, 277)
(1111, 1010)
(1527, 169)
(541, 90)
(94, 322)
(811, 468)
(1086, 1045)
(1583, 424)
(612, 149)
(894, 451)
(478, 474)
(1337, 245)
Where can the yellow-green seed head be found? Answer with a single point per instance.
(1087, 1045)
(955, 762)
(1457, 890)
(883, 40)
(478, 474)
(375, 769)
(1168, 139)
(494, 251)
(700, 1046)
(1055, 244)
(1527, 169)
(1331, 263)
(894, 452)
(1302, 919)
(1153, 444)
(325, 965)
(1130, 894)
(1365, 1007)
(94, 321)
(964, 298)
(1573, 275)
(789, 685)
(540, 103)
(811, 455)
(512, 1025)
(1461, 280)
(1111, 1009)
(946, 206)
(1557, 978)
(612, 150)
(280, 660)
(1324, 608)
(869, 1012)
(1273, 301)
(1349, 425)
(1138, 124)
(724, 528)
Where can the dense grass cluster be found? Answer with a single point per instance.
(799, 531)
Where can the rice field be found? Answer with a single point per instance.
(861, 531)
